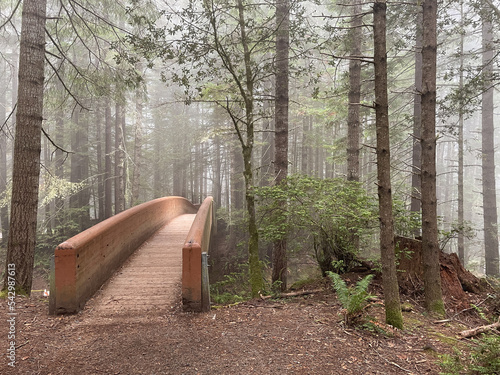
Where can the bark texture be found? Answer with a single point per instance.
(417, 123)
(388, 258)
(27, 146)
(490, 215)
(430, 246)
(279, 273)
(353, 124)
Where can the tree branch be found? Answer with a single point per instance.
(11, 15)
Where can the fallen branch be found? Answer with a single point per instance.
(292, 294)
(478, 330)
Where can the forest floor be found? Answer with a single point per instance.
(299, 335)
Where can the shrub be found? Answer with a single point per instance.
(326, 217)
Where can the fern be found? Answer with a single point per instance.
(353, 299)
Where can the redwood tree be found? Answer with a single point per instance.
(27, 146)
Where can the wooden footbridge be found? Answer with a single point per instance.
(141, 259)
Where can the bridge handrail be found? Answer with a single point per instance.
(195, 286)
(84, 262)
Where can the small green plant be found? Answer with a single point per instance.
(233, 288)
(451, 363)
(486, 356)
(483, 358)
(353, 299)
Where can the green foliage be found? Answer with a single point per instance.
(48, 239)
(465, 228)
(483, 358)
(405, 221)
(327, 218)
(451, 363)
(234, 288)
(353, 299)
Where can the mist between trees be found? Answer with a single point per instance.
(143, 99)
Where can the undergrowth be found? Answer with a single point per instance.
(483, 358)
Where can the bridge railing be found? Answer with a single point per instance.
(195, 285)
(84, 262)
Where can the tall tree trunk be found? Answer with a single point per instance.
(488, 151)
(237, 198)
(355, 40)
(417, 124)
(393, 314)
(460, 198)
(268, 149)
(3, 154)
(100, 170)
(59, 166)
(255, 270)
(304, 148)
(27, 148)
(108, 164)
(138, 140)
(279, 273)
(80, 169)
(119, 158)
(430, 247)
(217, 182)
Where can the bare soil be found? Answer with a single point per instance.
(299, 335)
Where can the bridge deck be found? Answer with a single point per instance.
(150, 280)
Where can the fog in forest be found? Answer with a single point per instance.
(145, 99)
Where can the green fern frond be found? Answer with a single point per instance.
(352, 299)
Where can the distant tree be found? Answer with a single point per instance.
(224, 50)
(3, 153)
(461, 148)
(393, 314)
(430, 246)
(353, 123)
(27, 145)
(119, 157)
(490, 215)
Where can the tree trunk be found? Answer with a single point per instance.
(136, 180)
(108, 167)
(256, 277)
(304, 148)
(488, 152)
(356, 39)
(80, 169)
(119, 159)
(27, 148)
(460, 198)
(268, 149)
(217, 183)
(393, 314)
(3, 155)
(279, 273)
(430, 246)
(417, 124)
(237, 187)
(59, 165)
(100, 170)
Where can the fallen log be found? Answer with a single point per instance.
(476, 331)
(293, 294)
